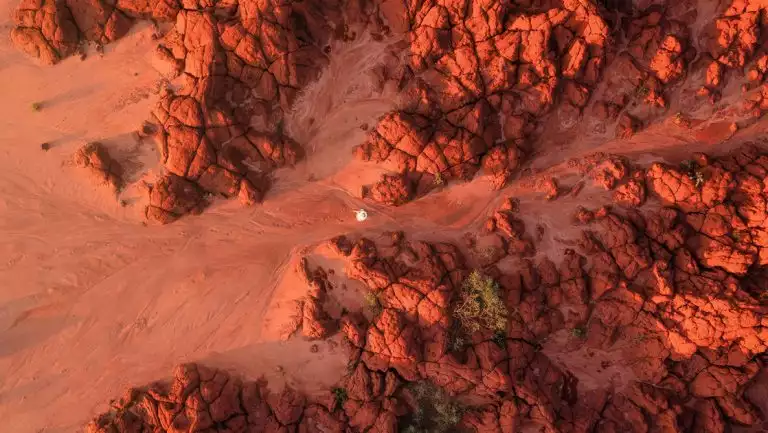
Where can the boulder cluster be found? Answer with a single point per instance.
(674, 291)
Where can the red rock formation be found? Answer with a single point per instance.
(239, 60)
(724, 204)
(45, 29)
(203, 399)
(660, 44)
(485, 74)
(630, 194)
(172, 197)
(734, 42)
(310, 315)
(691, 335)
(678, 291)
(235, 68)
(102, 168)
(393, 190)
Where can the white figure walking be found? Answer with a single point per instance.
(361, 215)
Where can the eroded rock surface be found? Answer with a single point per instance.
(242, 65)
(678, 292)
(95, 158)
(476, 80)
(310, 316)
(172, 197)
(691, 334)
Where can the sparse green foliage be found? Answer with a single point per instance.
(480, 306)
(640, 338)
(680, 120)
(435, 411)
(439, 179)
(698, 179)
(339, 397)
(500, 338)
(36, 106)
(579, 332)
(456, 343)
(372, 302)
(691, 169)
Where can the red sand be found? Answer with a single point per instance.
(603, 163)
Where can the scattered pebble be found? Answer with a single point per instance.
(45, 146)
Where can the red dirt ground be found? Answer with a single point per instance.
(602, 162)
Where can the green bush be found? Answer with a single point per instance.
(480, 305)
(500, 338)
(372, 302)
(691, 169)
(438, 179)
(339, 397)
(435, 411)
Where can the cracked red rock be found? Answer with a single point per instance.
(100, 165)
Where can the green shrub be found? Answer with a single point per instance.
(372, 302)
(691, 169)
(500, 338)
(339, 397)
(456, 343)
(435, 411)
(698, 179)
(480, 305)
(578, 332)
(439, 179)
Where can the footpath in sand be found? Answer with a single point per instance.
(177, 197)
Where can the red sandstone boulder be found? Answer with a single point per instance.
(100, 165)
(172, 197)
(393, 190)
(45, 29)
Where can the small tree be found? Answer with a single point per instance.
(435, 411)
(339, 397)
(480, 305)
(373, 303)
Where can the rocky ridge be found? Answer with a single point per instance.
(670, 290)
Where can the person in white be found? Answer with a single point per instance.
(361, 215)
